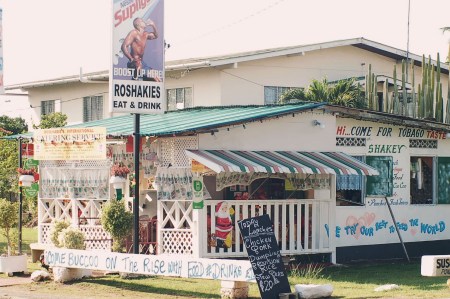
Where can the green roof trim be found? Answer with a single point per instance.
(190, 120)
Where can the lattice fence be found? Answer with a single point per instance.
(172, 151)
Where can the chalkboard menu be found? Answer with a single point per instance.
(265, 256)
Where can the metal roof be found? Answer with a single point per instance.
(213, 61)
(189, 121)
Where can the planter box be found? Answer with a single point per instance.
(14, 263)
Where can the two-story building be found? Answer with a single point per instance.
(335, 180)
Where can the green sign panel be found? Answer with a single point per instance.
(32, 190)
(31, 163)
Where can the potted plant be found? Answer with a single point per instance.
(119, 174)
(27, 176)
(9, 219)
(117, 221)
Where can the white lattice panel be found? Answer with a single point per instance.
(176, 214)
(177, 242)
(96, 237)
(172, 150)
(44, 233)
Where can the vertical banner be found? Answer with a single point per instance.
(2, 86)
(197, 189)
(137, 84)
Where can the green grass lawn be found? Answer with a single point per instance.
(349, 281)
(29, 235)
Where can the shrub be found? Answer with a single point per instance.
(9, 219)
(71, 238)
(117, 221)
(58, 226)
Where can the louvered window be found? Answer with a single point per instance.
(179, 98)
(92, 108)
(272, 94)
(47, 107)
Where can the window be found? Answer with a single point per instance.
(92, 108)
(179, 98)
(272, 94)
(421, 180)
(352, 189)
(47, 107)
(382, 184)
(443, 174)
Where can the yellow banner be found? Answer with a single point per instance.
(70, 144)
(198, 167)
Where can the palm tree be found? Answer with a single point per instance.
(443, 31)
(344, 93)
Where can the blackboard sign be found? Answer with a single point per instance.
(443, 180)
(382, 184)
(265, 256)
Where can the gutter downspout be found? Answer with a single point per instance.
(205, 63)
(84, 80)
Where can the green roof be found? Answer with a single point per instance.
(191, 120)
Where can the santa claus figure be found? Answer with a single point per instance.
(224, 225)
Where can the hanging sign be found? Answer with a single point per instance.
(30, 163)
(31, 191)
(197, 190)
(27, 150)
(70, 144)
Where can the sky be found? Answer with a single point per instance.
(45, 39)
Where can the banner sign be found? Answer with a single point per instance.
(70, 144)
(137, 84)
(197, 191)
(167, 265)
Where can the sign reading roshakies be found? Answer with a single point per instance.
(137, 84)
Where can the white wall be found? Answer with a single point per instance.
(285, 133)
(16, 104)
(71, 99)
(417, 222)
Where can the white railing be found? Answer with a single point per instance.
(301, 226)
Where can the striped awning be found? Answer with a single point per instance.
(281, 162)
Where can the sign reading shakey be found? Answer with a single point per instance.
(265, 256)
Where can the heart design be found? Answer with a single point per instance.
(413, 231)
(351, 221)
(369, 218)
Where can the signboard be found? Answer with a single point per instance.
(137, 84)
(435, 265)
(70, 144)
(173, 265)
(2, 85)
(265, 256)
(27, 150)
(31, 191)
(197, 192)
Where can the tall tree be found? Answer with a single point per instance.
(52, 120)
(8, 165)
(14, 125)
(344, 93)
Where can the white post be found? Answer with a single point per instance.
(332, 217)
